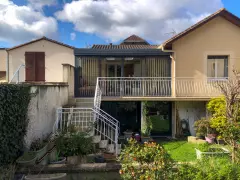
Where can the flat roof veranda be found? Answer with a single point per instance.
(119, 52)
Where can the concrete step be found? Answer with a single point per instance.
(84, 104)
(96, 139)
(103, 144)
(84, 99)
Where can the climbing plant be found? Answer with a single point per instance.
(14, 100)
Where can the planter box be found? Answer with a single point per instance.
(200, 154)
(27, 159)
(61, 160)
(76, 159)
(59, 176)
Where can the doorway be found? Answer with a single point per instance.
(160, 114)
(127, 113)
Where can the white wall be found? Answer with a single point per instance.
(191, 111)
(42, 110)
(55, 56)
(3, 59)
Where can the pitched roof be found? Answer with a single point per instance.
(42, 38)
(124, 46)
(222, 12)
(134, 39)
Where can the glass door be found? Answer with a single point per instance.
(113, 85)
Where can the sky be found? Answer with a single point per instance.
(82, 23)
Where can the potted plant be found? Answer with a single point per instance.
(39, 147)
(28, 158)
(56, 158)
(75, 146)
(201, 127)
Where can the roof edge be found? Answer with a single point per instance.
(222, 12)
(39, 39)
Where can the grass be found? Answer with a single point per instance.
(180, 151)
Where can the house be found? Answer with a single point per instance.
(3, 64)
(42, 61)
(179, 76)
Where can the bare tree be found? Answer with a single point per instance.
(231, 91)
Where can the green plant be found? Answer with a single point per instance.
(225, 119)
(208, 169)
(7, 172)
(202, 127)
(204, 147)
(144, 161)
(14, 100)
(38, 144)
(74, 144)
(147, 123)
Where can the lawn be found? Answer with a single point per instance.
(180, 151)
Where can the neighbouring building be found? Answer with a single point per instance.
(43, 61)
(3, 64)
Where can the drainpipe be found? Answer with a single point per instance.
(7, 70)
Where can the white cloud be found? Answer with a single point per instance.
(151, 19)
(38, 4)
(22, 23)
(73, 36)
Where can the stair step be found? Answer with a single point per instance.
(96, 139)
(103, 144)
(84, 99)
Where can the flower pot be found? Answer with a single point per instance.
(76, 159)
(99, 159)
(91, 158)
(103, 144)
(58, 176)
(210, 139)
(41, 152)
(60, 160)
(27, 159)
(127, 134)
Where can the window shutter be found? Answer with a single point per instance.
(30, 66)
(40, 66)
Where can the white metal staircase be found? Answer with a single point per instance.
(89, 117)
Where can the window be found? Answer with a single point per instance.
(217, 67)
(35, 66)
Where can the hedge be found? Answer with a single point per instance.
(14, 100)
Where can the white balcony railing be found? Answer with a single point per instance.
(158, 87)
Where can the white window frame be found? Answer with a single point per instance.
(216, 70)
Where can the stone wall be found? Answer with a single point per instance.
(42, 109)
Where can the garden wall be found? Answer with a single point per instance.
(191, 111)
(42, 109)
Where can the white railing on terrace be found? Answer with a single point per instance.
(16, 74)
(159, 87)
(87, 120)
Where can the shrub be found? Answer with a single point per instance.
(14, 100)
(74, 144)
(7, 172)
(209, 169)
(147, 161)
(202, 127)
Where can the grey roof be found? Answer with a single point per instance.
(119, 52)
(125, 46)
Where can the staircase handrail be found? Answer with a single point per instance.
(17, 73)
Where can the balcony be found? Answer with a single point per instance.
(158, 87)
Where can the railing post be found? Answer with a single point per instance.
(116, 140)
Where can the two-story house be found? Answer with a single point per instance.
(179, 76)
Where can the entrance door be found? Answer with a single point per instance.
(160, 114)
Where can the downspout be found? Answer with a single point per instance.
(7, 73)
